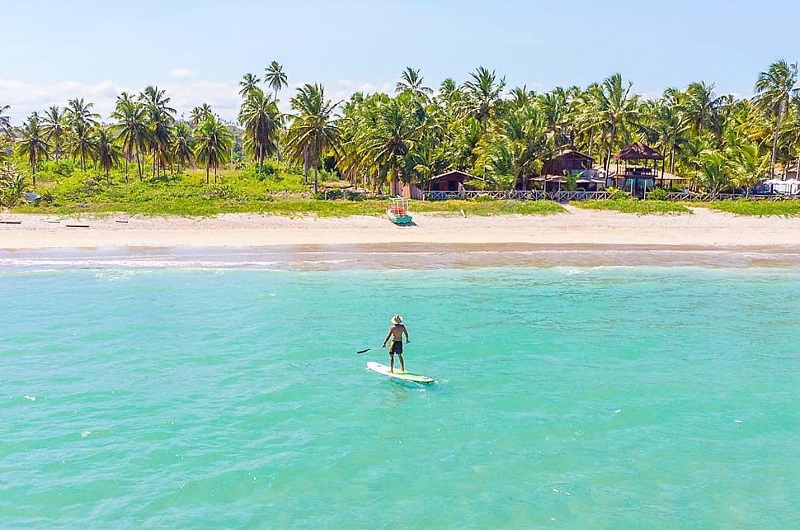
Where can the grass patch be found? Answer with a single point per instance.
(487, 208)
(758, 208)
(635, 206)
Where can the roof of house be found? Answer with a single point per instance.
(573, 154)
(638, 151)
(450, 174)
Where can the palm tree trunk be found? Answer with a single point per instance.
(127, 155)
(775, 140)
(207, 176)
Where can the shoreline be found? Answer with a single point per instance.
(385, 257)
(577, 237)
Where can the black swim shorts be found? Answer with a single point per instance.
(396, 347)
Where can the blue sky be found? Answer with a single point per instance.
(199, 49)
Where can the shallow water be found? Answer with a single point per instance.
(566, 397)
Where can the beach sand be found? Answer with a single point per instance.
(580, 237)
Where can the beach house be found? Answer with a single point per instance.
(569, 163)
(449, 184)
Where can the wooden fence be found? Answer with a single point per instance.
(529, 195)
(579, 195)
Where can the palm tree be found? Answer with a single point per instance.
(80, 120)
(106, 150)
(412, 81)
(81, 142)
(213, 144)
(616, 108)
(183, 144)
(5, 124)
(32, 143)
(773, 90)
(701, 107)
(313, 129)
(261, 119)
(248, 83)
(78, 111)
(54, 128)
(394, 135)
(200, 114)
(483, 92)
(161, 118)
(275, 78)
(131, 129)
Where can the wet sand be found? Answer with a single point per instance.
(577, 237)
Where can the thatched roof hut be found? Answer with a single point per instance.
(638, 151)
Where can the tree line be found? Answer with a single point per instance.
(501, 136)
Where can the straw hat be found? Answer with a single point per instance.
(397, 319)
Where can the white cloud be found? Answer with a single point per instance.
(180, 73)
(25, 98)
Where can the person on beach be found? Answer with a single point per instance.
(396, 333)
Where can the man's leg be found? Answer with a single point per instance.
(402, 363)
(391, 362)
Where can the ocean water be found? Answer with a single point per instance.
(566, 397)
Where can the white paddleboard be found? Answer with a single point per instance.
(397, 374)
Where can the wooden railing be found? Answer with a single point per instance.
(579, 195)
(528, 195)
(708, 197)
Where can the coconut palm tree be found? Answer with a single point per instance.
(182, 145)
(81, 142)
(617, 108)
(200, 114)
(213, 144)
(394, 135)
(32, 143)
(774, 88)
(411, 80)
(5, 124)
(313, 130)
(248, 83)
(106, 151)
(701, 107)
(161, 119)
(54, 128)
(483, 94)
(78, 111)
(261, 119)
(275, 78)
(131, 129)
(80, 120)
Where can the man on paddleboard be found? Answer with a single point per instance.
(396, 333)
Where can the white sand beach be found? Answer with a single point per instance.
(703, 228)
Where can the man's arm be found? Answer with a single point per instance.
(405, 330)
(387, 338)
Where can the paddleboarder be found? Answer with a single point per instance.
(396, 333)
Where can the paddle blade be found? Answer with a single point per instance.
(363, 351)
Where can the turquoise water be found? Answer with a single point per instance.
(565, 398)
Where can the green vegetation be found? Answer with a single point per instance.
(635, 206)
(760, 208)
(142, 158)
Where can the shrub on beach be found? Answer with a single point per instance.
(13, 185)
(657, 194)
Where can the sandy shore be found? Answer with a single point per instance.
(576, 232)
(576, 227)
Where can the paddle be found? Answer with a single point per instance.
(359, 352)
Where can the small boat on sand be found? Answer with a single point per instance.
(398, 211)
